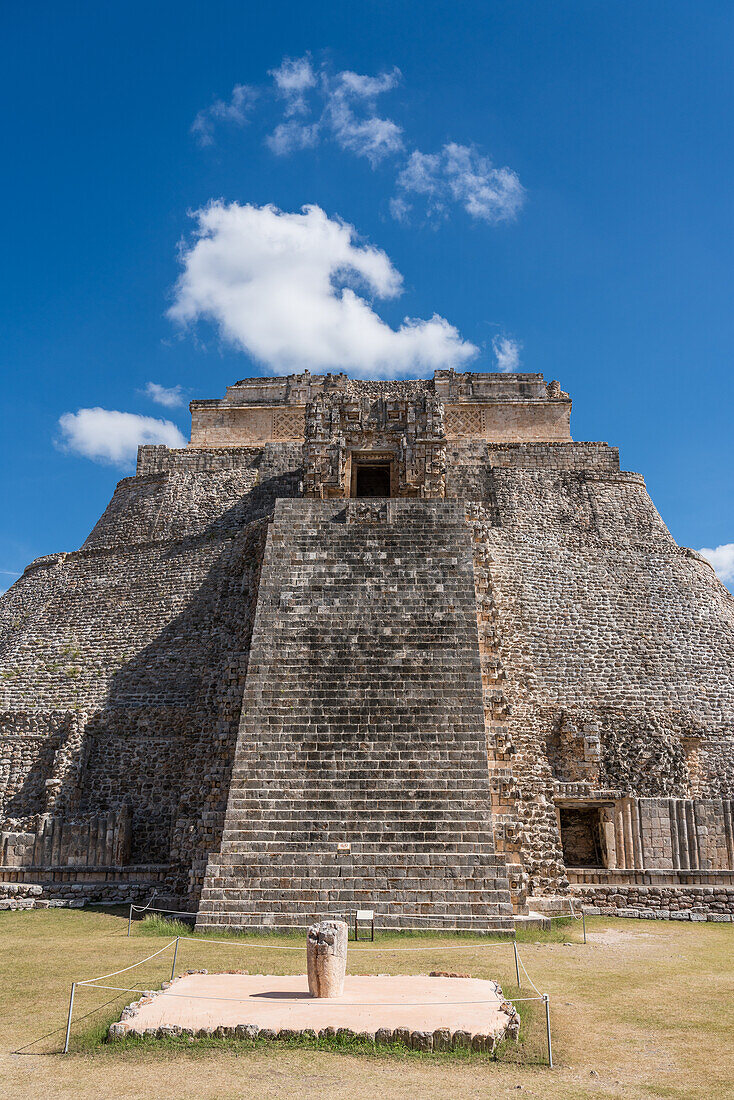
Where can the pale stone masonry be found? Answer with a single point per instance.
(391, 645)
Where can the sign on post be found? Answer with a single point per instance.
(365, 916)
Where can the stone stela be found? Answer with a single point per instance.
(326, 958)
(397, 645)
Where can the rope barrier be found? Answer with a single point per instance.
(370, 950)
(114, 973)
(438, 947)
(318, 1002)
(256, 946)
(92, 982)
(179, 912)
(522, 964)
(412, 916)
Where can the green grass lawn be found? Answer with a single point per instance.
(646, 1008)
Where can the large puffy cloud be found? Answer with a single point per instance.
(722, 559)
(284, 288)
(112, 437)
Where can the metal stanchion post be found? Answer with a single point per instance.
(583, 918)
(547, 1029)
(130, 918)
(175, 953)
(68, 1022)
(517, 964)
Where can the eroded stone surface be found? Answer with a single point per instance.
(326, 958)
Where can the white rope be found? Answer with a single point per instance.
(154, 909)
(142, 908)
(318, 1002)
(438, 947)
(233, 943)
(113, 973)
(372, 950)
(304, 924)
(522, 964)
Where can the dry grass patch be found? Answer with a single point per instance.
(645, 1009)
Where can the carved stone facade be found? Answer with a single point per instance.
(404, 432)
(395, 645)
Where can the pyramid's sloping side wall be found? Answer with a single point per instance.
(600, 629)
(122, 664)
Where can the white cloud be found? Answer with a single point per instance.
(105, 435)
(374, 138)
(235, 111)
(722, 559)
(461, 174)
(421, 173)
(293, 79)
(290, 137)
(368, 87)
(507, 353)
(494, 194)
(320, 105)
(171, 397)
(399, 208)
(371, 137)
(282, 287)
(346, 111)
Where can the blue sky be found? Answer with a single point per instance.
(555, 176)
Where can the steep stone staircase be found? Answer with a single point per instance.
(360, 778)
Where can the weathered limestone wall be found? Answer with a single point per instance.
(122, 665)
(600, 625)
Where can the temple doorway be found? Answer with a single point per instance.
(372, 480)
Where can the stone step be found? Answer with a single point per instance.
(409, 812)
(377, 856)
(443, 896)
(363, 721)
(325, 888)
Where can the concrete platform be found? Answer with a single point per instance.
(465, 1010)
(532, 920)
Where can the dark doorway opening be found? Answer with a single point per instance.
(373, 481)
(581, 837)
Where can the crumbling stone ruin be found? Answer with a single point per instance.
(401, 645)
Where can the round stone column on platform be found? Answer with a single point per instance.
(326, 958)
